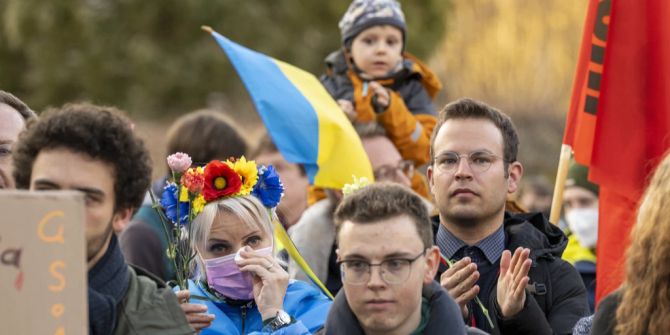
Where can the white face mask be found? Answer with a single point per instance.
(583, 222)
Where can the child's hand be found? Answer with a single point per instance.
(383, 97)
(348, 109)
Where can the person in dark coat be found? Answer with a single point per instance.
(510, 262)
(343, 321)
(388, 261)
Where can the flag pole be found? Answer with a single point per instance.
(561, 176)
(207, 29)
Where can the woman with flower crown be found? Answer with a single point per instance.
(237, 278)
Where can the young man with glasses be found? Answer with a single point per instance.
(388, 261)
(314, 234)
(512, 263)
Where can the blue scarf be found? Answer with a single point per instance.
(107, 285)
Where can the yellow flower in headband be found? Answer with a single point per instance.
(198, 204)
(358, 184)
(248, 172)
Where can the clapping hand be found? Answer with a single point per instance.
(511, 291)
(459, 280)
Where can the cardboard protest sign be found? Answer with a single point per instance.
(43, 263)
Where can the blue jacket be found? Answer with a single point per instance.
(307, 305)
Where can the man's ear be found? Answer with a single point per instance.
(121, 218)
(337, 252)
(515, 172)
(432, 264)
(429, 176)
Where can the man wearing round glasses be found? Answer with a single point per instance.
(512, 263)
(388, 262)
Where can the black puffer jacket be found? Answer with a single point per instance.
(555, 296)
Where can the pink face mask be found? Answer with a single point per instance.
(225, 277)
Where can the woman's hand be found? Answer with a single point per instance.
(195, 313)
(270, 281)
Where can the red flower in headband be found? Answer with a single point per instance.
(220, 181)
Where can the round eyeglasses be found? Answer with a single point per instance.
(390, 172)
(479, 161)
(392, 271)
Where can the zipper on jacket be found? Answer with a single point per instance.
(244, 316)
(243, 313)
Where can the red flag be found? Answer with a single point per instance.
(581, 120)
(633, 127)
(630, 130)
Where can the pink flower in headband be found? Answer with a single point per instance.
(179, 162)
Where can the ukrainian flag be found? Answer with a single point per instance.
(303, 120)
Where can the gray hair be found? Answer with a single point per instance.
(248, 208)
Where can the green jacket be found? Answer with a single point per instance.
(149, 307)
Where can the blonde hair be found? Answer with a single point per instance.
(248, 208)
(645, 304)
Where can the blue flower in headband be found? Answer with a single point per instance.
(269, 189)
(169, 203)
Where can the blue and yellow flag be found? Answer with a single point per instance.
(304, 121)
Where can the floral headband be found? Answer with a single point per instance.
(194, 187)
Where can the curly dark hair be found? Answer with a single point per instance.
(102, 133)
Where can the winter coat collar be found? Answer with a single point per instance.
(529, 230)
(533, 231)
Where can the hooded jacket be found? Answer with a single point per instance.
(410, 117)
(444, 315)
(555, 296)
